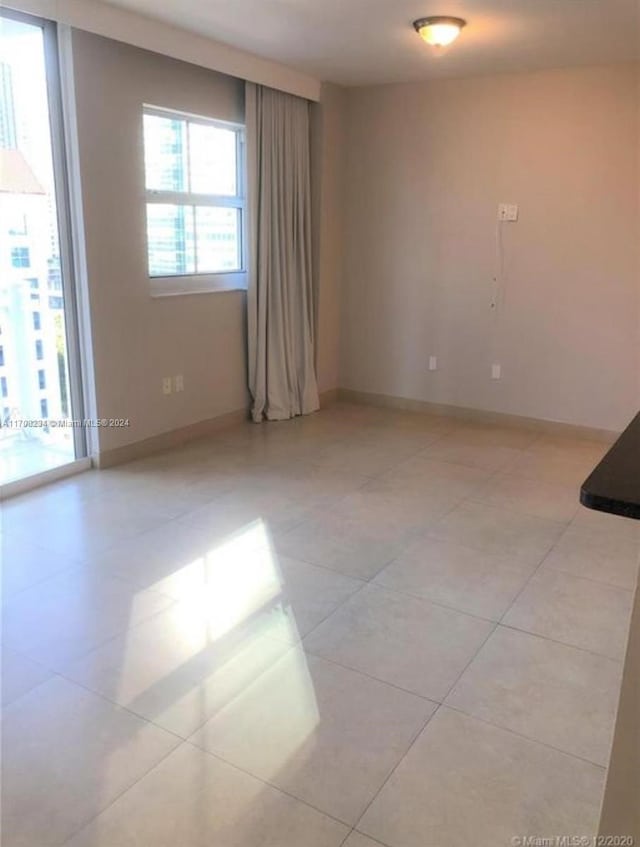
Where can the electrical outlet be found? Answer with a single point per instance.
(433, 363)
(496, 371)
(508, 212)
(179, 383)
(166, 385)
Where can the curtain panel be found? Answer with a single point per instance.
(282, 377)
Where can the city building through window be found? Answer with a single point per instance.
(195, 195)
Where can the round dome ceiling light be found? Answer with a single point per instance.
(439, 30)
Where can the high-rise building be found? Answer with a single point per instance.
(30, 316)
(8, 134)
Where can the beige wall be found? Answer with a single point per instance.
(406, 184)
(328, 149)
(427, 166)
(136, 339)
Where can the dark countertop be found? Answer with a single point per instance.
(614, 485)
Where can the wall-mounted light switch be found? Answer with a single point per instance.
(496, 371)
(433, 363)
(166, 385)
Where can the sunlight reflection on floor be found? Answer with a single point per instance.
(233, 628)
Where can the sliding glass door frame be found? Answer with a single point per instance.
(75, 359)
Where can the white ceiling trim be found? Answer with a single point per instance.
(131, 28)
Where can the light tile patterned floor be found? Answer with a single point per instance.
(360, 628)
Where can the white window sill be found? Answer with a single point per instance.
(171, 286)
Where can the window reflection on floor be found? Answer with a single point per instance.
(233, 637)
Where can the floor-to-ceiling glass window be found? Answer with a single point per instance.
(38, 350)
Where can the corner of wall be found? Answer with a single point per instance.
(328, 151)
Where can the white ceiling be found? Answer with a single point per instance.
(363, 42)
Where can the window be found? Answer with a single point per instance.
(37, 323)
(195, 202)
(1, 355)
(39, 350)
(44, 409)
(20, 257)
(42, 380)
(4, 388)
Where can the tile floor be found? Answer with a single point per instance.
(359, 628)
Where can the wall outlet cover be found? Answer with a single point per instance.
(508, 212)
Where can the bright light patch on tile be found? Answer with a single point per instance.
(239, 579)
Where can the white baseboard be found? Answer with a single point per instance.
(483, 416)
(168, 440)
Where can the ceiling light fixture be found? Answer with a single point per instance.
(439, 30)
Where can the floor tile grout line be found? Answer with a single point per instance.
(120, 794)
(495, 626)
(530, 578)
(6, 601)
(332, 612)
(585, 578)
(528, 581)
(438, 603)
(370, 838)
(264, 782)
(162, 521)
(470, 662)
(502, 509)
(414, 539)
(432, 700)
(290, 647)
(562, 643)
(84, 563)
(99, 645)
(119, 706)
(176, 517)
(524, 736)
(182, 515)
(513, 510)
(9, 705)
(539, 568)
(346, 838)
(445, 706)
(397, 765)
(182, 741)
(568, 525)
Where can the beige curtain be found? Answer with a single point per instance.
(282, 377)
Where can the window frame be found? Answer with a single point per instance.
(200, 282)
